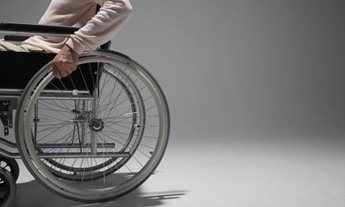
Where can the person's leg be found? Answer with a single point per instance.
(8, 46)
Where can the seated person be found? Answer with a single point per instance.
(95, 30)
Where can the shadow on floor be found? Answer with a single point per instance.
(32, 194)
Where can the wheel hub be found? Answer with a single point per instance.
(96, 125)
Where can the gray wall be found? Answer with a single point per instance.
(235, 64)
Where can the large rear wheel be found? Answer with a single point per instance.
(97, 134)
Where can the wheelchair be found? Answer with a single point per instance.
(93, 136)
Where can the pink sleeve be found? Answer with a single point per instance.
(102, 27)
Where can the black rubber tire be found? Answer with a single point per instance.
(10, 165)
(8, 191)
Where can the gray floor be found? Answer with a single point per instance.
(291, 167)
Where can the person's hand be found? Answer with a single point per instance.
(64, 63)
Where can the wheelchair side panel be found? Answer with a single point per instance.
(17, 68)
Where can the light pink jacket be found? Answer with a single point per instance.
(95, 29)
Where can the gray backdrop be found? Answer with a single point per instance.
(257, 96)
(235, 64)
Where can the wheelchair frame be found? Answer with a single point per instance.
(123, 159)
(9, 98)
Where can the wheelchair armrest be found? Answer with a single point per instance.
(23, 29)
(15, 38)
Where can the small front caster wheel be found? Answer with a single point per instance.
(8, 189)
(10, 165)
